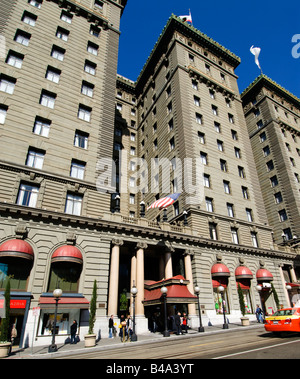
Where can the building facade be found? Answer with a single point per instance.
(84, 151)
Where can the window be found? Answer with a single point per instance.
(266, 151)
(203, 158)
(278, 198)
(241, 172)
(249, 214)
(245, 193)
(53, 74)
(22, 37)
(73, 204)
(98, 4)
(217, 127)
(77, 169)
(169, 107)
(176, 208)
(119, 107)
(212, 94)
(67, 17)
(29, 18)
(234, 135)
(15, 59)
(254, 239)
(41, 127)
(92, 48)
(262, 137)
(132, 198)
(94, 31)
(234, 235)
(90, 67)
(213, 231)
(35, 158)
(226, 186)
(201, 137)
(3, 112)
(287, 233)
(28, 195)
(274, 181)
(220, 145)
(7, 84)
(132, 150)
(62, 34)
(117, 146)
(237, 152)
(87, 89)
(259, 124)
(214, 110)
(47, 99)
(230, 210)
(282, 215)
(198, 118)
(206, 180)
(223, 165)
(84, 113)
(231, 118)
(270, 165)
(58, 53)
(172, 143)
(194, 85)
(197, 101)
(36, 3)
(209, 204)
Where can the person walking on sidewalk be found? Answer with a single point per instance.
(178, 323)
(259, 314)
(73, 332)
(110, 326)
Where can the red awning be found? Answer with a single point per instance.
(64, 302)
(263, 274)
(243, 272)
(16, 248)
(177, 291)
(219, 270)
(67, 253)
(293, 284)
(222, 281)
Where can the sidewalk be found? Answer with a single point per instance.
(41, 352)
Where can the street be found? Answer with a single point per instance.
(250, 344)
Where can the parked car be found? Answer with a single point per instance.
(284, 320)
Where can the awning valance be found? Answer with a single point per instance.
(219, 269)
(243, 272)
(67, 253)
(16, 248)
(66, 301)
(263, 274)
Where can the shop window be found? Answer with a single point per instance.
(64, 275)
(17, 270)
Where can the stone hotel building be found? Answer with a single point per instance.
(84, 152)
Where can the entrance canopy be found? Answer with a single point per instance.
(177, 293)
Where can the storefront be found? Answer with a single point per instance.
(243, 277)
(264, 279)
(220, 274)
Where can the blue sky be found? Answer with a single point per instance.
(237, 25)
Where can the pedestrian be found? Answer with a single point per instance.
(13, 334)
(73, 332)
(184, 325)
(110, 326)
(258, 313)
(129, 325)
(178, 323)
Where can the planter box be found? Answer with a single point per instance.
(90, 340)
(245, 321)
(4, 349)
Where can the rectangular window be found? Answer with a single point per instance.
(234, 235)
(53, 74)
(198, 118)
(27, 195)
(203, 158)
(77, 169)
(58, 53)
(245, 193)
(254, 239)
(81, 139)
(87, 89)
(41, 127)
(90, 67)
(230, 210)
(223, 165)
(14, 59)
(92, 48)
(35, 158)
(84, 113)
(213, 231)
(249, 214)
(35, 3)
(47, 99)
(67, 17)
(29, 18)
(22, 37)
(3, 112)
(226, 186)
(73, 204)
(7, 84)
(206, 180)
(62, 34)
(209, 204)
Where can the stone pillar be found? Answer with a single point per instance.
(114, 277)
(286, 293)
(168, 263)
(189, 276)
(141, 246)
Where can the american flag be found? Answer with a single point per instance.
(164, 202)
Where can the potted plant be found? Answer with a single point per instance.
(5, 342)
(90, 338)
(244, 320)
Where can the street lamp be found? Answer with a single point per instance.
(221, 289)
(134, 291)
(56, 294)
(201, 328)
(164, 291)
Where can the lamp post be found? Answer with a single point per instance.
(134, 291)
(197, 291)
(56, 294)
(164, 291)
(221, 290)
(288, 288)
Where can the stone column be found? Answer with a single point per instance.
(114, 277)
(286, 293)
(141, 246)
(189, 276)
(168, 263)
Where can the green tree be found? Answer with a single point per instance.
(93, 309)
(4, 329)
(275, 296)
(241, 300)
